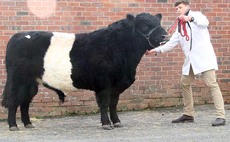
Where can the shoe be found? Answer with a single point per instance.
(184, 118)
(219, 122)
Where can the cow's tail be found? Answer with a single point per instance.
(5, 95)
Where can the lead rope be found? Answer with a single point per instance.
(182, 28)
(172, 27)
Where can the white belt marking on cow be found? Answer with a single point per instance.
(57, 63)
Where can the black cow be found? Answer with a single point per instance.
(104, 61)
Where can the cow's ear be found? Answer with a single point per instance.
(130, 18)
(159, 16)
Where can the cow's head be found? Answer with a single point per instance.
(149, 27)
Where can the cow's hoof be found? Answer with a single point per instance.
(118, 124)
(61, 102)
(14, 128)
(107, 127)
(29, 126)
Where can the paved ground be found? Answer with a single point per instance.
(139, 126)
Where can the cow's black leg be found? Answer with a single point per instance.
(9, 101)
(103, 100)
(29, 91)
(25, 115)
(113, 110)
(12, 118)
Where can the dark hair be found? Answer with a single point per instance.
(178, 2)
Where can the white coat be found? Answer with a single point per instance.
(201, 56)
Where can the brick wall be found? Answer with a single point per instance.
(157, 79)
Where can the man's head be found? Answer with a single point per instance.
(178, 2)
(182, 6)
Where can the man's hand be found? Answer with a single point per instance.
(150, 52)
(185, 18)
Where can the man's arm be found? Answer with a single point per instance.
(199, 19)
(173, 42)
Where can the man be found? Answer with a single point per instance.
(199, 59)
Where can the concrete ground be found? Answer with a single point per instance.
(139, 126)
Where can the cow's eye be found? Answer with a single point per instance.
(144, 28)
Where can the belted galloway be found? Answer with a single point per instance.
(103, 61)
